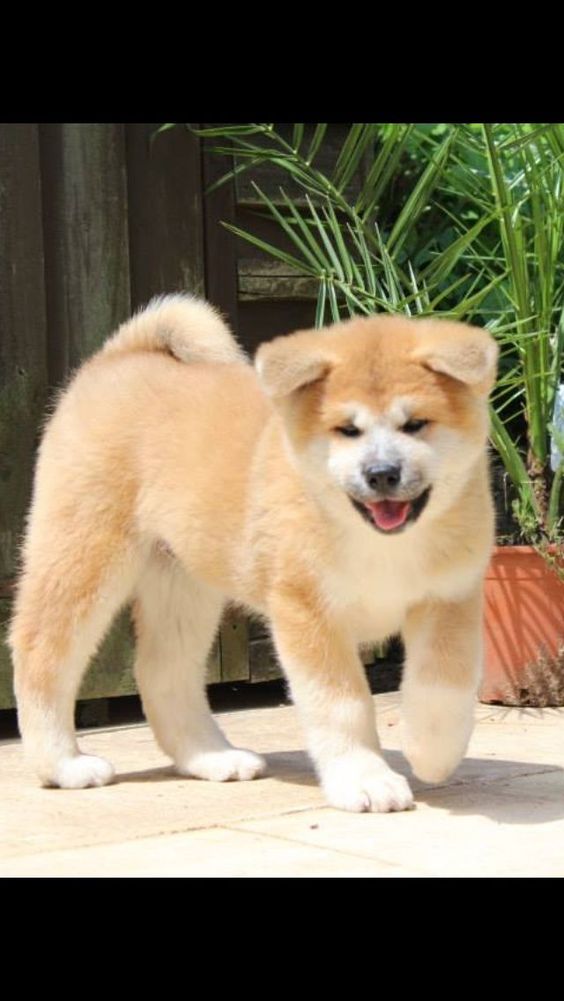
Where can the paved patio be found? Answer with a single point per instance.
(502, 814)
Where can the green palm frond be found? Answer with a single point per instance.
(494, 255)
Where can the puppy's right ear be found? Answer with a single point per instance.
(291, 362)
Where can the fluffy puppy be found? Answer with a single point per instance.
(339, 488)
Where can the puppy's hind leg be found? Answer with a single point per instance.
(62, 612)
(176, 621)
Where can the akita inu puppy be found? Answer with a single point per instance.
(338, 488)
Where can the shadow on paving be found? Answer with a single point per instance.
(502, 790)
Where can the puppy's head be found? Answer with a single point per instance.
(390, 411)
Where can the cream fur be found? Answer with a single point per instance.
(186, 327)
(176, 476)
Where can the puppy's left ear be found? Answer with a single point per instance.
(289, 363)
(468, 354)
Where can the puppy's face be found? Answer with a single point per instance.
(391, 412)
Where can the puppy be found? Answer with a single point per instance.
(339, 488)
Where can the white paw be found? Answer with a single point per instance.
(433, 759)
(436, 727)
(432, 765)
(361, 781)
(80, 771)
(230, 765)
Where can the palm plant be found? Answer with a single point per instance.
(523, 179)
(499, 190)
(336, 237)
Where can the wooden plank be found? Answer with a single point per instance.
(86, 239)
(7, 700)
(264, 664)
(92, 712)
(109, 674)
(262, 319)
(220, 245)
(213, 673)
(263, 661)
(88, 295)
(234, 641)
(111, 671)
(259, 279)
(166, 238)
(262, 277)
(23, 370)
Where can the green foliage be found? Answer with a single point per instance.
(523, 177)
(464, 221)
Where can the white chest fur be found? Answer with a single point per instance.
(371, 593)
(374, 579)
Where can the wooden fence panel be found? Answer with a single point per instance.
(23, 372)
(7, 700)
(23, 367)
(166, 238)
(88, 294)
(86, 239)
(220, 246)
(94, 221)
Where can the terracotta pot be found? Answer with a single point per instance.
(524, 630)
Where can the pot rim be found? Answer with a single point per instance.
(552, 549)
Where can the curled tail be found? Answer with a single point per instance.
(188, 328)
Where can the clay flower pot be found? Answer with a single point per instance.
(524, 630)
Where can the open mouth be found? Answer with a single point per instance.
(392, 516)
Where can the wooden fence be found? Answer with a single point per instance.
(94, 221)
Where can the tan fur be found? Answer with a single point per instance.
(183, 326)
(185, 486)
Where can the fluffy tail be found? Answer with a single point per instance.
(188, 328)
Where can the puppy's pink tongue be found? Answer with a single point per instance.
(389, 514)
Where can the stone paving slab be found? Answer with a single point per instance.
(218, 852)
(511, 828)
(502, 813)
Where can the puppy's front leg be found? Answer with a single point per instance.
(331, 693)
(441, 676)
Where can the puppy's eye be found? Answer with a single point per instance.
(413, 426)
(349, 430)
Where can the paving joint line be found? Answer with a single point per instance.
(326, 848)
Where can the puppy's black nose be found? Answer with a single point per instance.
(383, 476)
